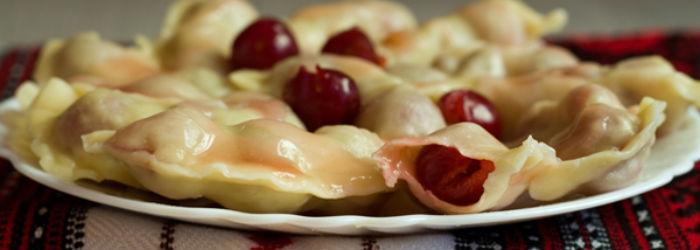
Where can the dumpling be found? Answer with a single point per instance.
(99, 110)
(58, 135)
(182, 153)
(505, 182)
(507, 22)
(256, 105)
(371, 80)
(510, 61)
(469, 28)
(591, 124)
(610, 162)
(313, 25)
(430, 81)
(59, 114)
(417, 74)
(636, 78)
(40, 107)
(87, 58)
(401, 112)
(200, 33)
(167, 86)
(507, 94)
(588, 120)
(192, 84)
(66, 124)
(602, 146)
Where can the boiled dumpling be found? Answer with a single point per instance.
(313, 25)
(401, 112)
(511, 61)
(244, 106)
(192, 84)
(61, 138)
(507, 180)
(181, 153)
(636, 78)
(612, 166)
(513, 96)
(87, 58)
(533, 166)
(200, 33)
(469, 28)
(588, 120)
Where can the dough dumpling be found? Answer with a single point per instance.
(595, 145)
(652, 76)
(469, 28)
(401, 112)
(200, 33)
(313, 25)
(591, 120)
(63, 139)
(192, 84)
(86, 58)
(514, 96)
(608, 167)
(182, 153)
(504, 184)
(511, 61)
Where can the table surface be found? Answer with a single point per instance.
(36, 217)
(32, 21)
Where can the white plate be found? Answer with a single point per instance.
(671, 156)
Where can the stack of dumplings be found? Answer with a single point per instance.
(179, 117)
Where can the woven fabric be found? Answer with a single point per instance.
(35, 217)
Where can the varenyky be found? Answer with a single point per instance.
(349, 107)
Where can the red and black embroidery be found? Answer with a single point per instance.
(39, 214)
(681, 49)
(609, 50)
(19, 72)
(479, 238)
(649, 230)
(662, 217)
(167, 233)
(572, 234)
(75, 225)
(270, 241)
(595, 229)
(614, 227)
(6, 65)
(369, 243)
(682, 199)
(62, 212)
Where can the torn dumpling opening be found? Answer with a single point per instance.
(493, 175)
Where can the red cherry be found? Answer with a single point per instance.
(352, 42)
(324, 97)
(262, 44)
(451, 176)
(467, 106)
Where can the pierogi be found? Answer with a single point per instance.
(347, 107)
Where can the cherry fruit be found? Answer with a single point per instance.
(450, 176)
(262, 44)
(352, 42)
(324, 97)
(467, 106)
